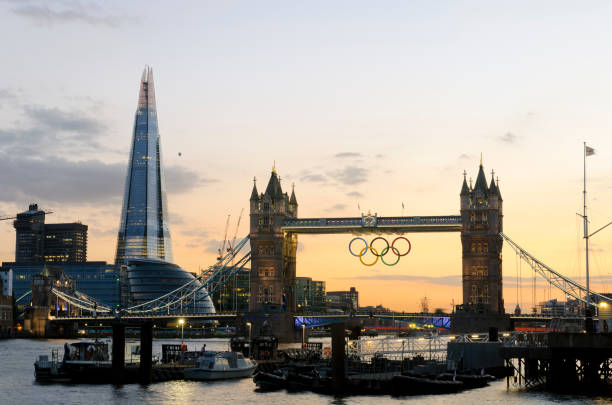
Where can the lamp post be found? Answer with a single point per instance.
(182, 323)
(250, 342)
(303, 335)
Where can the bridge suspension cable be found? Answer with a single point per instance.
(183, 299)
(23, 296)
(568, 286)
(189, 294)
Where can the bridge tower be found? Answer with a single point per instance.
(482, 218)
(273, 252)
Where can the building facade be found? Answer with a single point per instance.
(347, 301)
(6, 303)
(95, 279)
(148, 279)
(234, 294)
(272, 252)
(38, 242)
(482, 219)
(309, 295)
(144, 231)
(65, 243)
(30, 235)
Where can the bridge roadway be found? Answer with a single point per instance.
(310, 320)
(373, 224)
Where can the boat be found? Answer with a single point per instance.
(468, 380)
(409, 385)
(221, 366)
(80, 361)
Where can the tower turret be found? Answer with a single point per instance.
(481, 216)
(293, 204)
(272, 281)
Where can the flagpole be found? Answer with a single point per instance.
(586, 238)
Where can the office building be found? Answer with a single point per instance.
(346, 301)
(143, 231)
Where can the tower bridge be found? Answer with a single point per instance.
(275, 225)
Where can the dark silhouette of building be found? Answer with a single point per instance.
(30, 235)
(347, 301)
(37, 242)
(272, 253)
(65, 243)
(234, 294)
(310, 295)
(481, 215)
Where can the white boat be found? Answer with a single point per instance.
(220, 366)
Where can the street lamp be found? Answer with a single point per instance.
(303, 335)
(250, 342)
(182, 323)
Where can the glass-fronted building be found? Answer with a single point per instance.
(143, 230)
(148, 279)
(95, 279)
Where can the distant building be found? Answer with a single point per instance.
(309, 295)
(6, 303)
(96, 279)
(234, 294)
(6, 280)
(346, 301)
(37, 242)
(65, 243)
(30, 235)
(552, 308)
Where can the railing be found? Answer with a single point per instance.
(380, 221)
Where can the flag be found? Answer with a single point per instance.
(402, 205)
(588, 150)
(358, 207)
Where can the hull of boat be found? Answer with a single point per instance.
(205, 375)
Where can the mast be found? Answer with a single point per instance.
(586, 235)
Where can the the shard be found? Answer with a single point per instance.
(143, 230)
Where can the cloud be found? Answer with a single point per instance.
(347, 155)
(355, 194)
(180, 180)
(54, 119)
(336, 207)
(58, 180)
(312, 178)
(465, 156)
(509, 138)
(444, 280)
(49, 131)
(350, 175)
(66, 12)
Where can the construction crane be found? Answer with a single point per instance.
(231, 245)
(15, 217)
(222, 249)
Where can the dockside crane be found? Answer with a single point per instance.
(221, 250)
(15, 217)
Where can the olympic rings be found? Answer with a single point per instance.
(374, 252)
(384, 252)
(409, 245)
(389, 248)
(351, 243)
(381, 238)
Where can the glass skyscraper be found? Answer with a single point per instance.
(144, 231)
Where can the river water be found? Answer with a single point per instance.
(17, 387)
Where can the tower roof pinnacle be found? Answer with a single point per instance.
(254, 195)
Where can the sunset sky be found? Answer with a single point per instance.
(359, 103)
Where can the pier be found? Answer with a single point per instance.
(560, 361)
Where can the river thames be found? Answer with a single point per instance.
(18, 387)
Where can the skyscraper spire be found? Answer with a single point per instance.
(144, 230)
